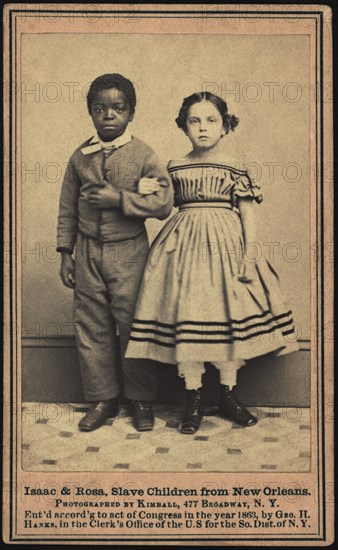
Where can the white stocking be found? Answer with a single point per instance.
(192, 372)
(228, 371)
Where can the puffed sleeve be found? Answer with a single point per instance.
(245, 187)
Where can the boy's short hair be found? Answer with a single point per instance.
(108, 81)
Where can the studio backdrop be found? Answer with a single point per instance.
(266, 82)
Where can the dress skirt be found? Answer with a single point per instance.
(192, 306)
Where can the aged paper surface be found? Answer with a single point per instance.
(273, 66)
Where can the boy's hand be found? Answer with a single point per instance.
(67, 270)
(247, 271)
(148, 186)
(107, 197)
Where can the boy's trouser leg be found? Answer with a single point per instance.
(94, 326)
(123, 266)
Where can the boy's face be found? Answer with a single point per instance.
(110, 112)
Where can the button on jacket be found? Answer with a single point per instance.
(92, 167)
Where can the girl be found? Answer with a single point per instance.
(203, 299)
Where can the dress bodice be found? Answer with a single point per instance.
(210, 182)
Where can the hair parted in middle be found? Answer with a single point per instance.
(229, 121)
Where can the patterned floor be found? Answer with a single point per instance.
(52, 442)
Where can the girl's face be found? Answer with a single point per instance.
(110, 112)
(204, 125)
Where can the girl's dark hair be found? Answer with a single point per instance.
(108, 81)
(229, 121)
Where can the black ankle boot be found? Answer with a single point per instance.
(98, 413)
(193, 414)
(143, 415)
(231, 409)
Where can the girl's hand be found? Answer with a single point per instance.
(67, 270)
(148, 186)
(107, 197)
(247, 271)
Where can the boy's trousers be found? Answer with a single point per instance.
(107, 281)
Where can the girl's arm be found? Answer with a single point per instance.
(245, 206)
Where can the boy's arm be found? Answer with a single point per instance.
(68, 210)
(157, 205)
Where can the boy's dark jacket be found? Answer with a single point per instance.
(123, 169)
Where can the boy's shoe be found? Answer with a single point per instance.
(98, 413)
(143, 415)
(231, 409)
(193, 414)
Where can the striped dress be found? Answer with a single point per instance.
(192, 306)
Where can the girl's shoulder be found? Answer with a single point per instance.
(222, 162)
(174, 163)
(236, 165)
(232, 164)
(191, 161)
(228, 162)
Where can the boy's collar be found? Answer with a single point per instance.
(96, 144)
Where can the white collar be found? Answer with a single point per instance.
(96, 144)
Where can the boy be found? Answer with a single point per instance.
(108, 191)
